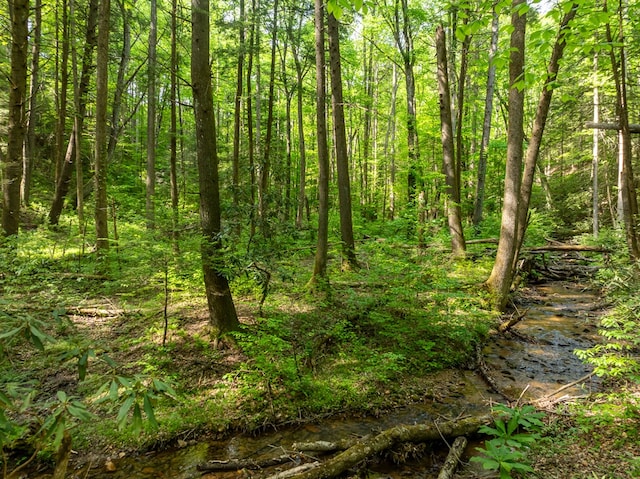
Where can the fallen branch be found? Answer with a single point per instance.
(486, 375)
(385, 440)
(568, 247)
(548, 397)
(324, 446)
(238, 464)
(294, 470)
(453, 458)
(512, 321)
(483, 241)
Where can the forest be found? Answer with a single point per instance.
(411, 223)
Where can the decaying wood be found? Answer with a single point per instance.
(547, 398)
(376, 444)
(633, 128)
(325, 446)
(237, 464)
(453, 458)
(568, 247)
(483, 241)
(486, 375)
(512, 321)
(294, 471)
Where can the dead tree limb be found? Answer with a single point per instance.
(512, 321)
(238, 464)
(568, 247)
(483, 241)
(453, 458)
(294, 471)
(486, 375)
(376, 444)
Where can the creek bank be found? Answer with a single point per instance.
(560, 317)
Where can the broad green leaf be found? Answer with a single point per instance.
(113, 391)
(124, 410)
(137, 419)
(148, 409)
(62, 396)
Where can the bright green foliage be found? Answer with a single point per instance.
(513, 433)
(64, 413)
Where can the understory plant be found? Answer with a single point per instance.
(513, 432)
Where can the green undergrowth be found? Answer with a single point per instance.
(367, 343)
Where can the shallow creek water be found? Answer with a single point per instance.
(560, 317)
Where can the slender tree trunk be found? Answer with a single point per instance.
(125, 57)
(151, 119)
(454, 213)
(349, 260)
(173, 146)
(390, 144)
(499, 282)
(540, 121)
(62, 72)
(266, 161)
(102, 92)
(486, 124)
(462, 79)
(319, 277)
(302, 160)
(28, 156)
(596, 149)
(12, 171)
(237, 112)
(629, 198)
(250, 136)
(77, 122)
(64, 178)
(222, 311)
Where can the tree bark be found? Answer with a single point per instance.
(302, 160)
(151, 119)
(486, 124)
(499, 282)
(349, 260)
(453, 458)
(222, 311)
(12, 172)
(62, 83)
(28, 156)
(539, 123)
(237, 110)
(375, 445)
(102, 92)
(454, 213)
(319, 277)
(64, 178)
(173, 143)
(266, 161)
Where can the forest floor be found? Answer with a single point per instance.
(376, 343)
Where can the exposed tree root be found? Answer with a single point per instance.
(485, 372)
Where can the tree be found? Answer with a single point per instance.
(486, 123)
(64, 178)
(499, 282)
(539, 123)
(349, 260)
(237, 110)
(102, 92)
(454, 213)
(319, 277)
(222, 311)
(32, 114)
(12, 171)
(151, 118)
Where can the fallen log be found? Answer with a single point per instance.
(238, 464)
(325, 446)
(453, 458)
(512, 321)
(385, 440)
(483, 241)
(568, 247)
(295, 470)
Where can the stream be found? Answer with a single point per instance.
(560, 317)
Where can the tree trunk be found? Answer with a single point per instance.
(389, 145)
(539, 123)
(250, 136)
(151, 119)
(349, 260)
(319, 277)
(486, 124)
(596, 149)
(628, 191)
(102, 92)
(454, 213)
(302, 160)
(12, 172)
(499, 281)
(266, 161)
(237, 111)
(403, 433)
(125, 57)
(28, 156)
(62, 83)
(222, 311)
(173, 145)
(64, 178)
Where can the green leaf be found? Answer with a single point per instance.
(113, 391)
(148, 409)
(137, 419)
(79, 411)
(124, 410)
(62, 396)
